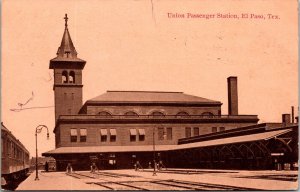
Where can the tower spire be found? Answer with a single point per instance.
(66, 51)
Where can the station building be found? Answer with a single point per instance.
(118, 128)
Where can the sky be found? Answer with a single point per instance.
(134, 45)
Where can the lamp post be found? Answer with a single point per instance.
(164, 137)
(154, 166)
(38, 129)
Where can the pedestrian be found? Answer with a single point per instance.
(46, 166)
(69, 168)
(149, 167)
(135, 167)
(93, 168)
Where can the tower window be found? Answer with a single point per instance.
(72, 96)
(72, 77)
(64, 77)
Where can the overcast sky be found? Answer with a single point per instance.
(133, 45)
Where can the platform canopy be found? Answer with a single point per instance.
(148, 148)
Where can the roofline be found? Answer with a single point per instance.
(145, 91)
(156, 102)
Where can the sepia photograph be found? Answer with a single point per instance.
(149, 95)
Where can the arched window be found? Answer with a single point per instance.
(104, 114)
(182, 114)
(207, 114)
(157, 114)
(72, 77)
(131, 114)
(64, 77)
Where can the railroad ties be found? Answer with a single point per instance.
(116, 181)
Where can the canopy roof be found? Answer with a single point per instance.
(144, 148)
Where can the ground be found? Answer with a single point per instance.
(171, 179)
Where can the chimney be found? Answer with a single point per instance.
(293, 117)
(286, 119)
(232, 95)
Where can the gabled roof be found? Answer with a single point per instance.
(66, 51)
(149, 97)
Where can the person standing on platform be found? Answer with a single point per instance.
(69, 168)
(46, 166)
(93, 168)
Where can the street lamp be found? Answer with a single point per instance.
(154, 167)
(38, 129)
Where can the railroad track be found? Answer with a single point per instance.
(106, 183)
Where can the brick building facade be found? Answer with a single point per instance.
(119, 127)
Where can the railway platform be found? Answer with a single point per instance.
(170, 179)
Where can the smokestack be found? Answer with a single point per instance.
(232, 95)
(293, 117)
(286, 119)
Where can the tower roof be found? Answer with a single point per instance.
(66, 51)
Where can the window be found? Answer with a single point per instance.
(188, 132)
(132, 135)
(64, 77)
(131, 114)
(72, 77)
(182, 114)
(141, 134)
(69, 111)
(65, 96)
(160, 133)
(222, 128)
(113, 135)
(169, 133)
(196, 131)
(8, 148)
(214, 129)
(73, 135)
(2, 147)
(83, 134)
(104, 114)
(103, 133)
(72, 96)
(157, 114)
(207, 114)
